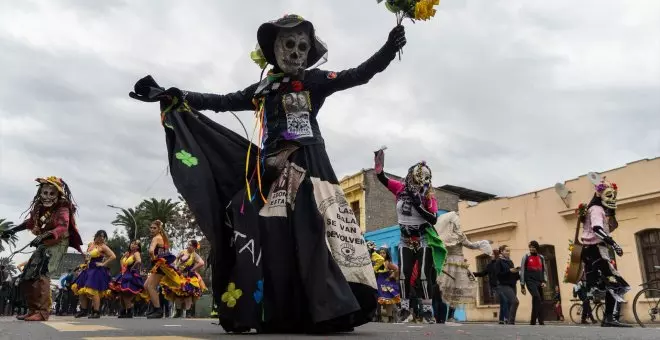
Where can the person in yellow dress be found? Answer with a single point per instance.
(93, 282)
(129, 283)
(187, 263)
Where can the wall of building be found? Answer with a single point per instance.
(353, 187)
(544, 217)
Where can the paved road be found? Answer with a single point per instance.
(198, 329)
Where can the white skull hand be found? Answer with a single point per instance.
(48, 195)
(608, 197)
(291, 48)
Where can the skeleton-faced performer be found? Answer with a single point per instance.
(456, 282)
(289, 258)
(598, 222)
(51, 219)
(416, 209)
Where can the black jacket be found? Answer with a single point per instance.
(504, 275)
(317, 85)
(491, 272)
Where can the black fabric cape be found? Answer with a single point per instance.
(207, 165)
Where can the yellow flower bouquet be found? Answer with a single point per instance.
(412, 9)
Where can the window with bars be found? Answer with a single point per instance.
(649, 249)
(486, 295)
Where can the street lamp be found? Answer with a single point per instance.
(130, 215)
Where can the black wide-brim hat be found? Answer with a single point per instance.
(267, 34)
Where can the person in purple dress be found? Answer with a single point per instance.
(387, 276)
(187, 263)
(129, 283)
(93, 282)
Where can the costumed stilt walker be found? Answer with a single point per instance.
(599, 220)
(163, 272)
(128, 284)
(288, 254)
(187, 263)
(52, 219)
(93, 283)
(416, 209)
(457, 283)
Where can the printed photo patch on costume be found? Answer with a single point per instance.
(332, 75)
(283, 191)
(297, 106)
(343, 234)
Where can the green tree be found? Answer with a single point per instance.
(163, 210)
(4, 225)
(184, 226)
(119, 245)
(10, 267)
(129, 218)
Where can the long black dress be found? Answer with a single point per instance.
(299, 262)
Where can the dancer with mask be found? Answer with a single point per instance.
(187, 263)
(129, 283)
(94, 281)
(457, 283)
(416, 209)
(599, 221)
(52, 219)
(285, 240)
(163, 272)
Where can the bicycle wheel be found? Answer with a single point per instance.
(599, 311)
(648, 312)
(576, 312)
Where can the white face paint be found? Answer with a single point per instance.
(49, 195)
(608, 197)
(291, 49)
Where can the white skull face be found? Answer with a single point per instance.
(608, 197)
(291, 48)
(49, 195)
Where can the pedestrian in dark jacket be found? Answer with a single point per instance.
(491, 272)
(533, 278)
(507, 277)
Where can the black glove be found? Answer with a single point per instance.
(397, 37)
(37, 240)
(416, 200)
(147, 90)
(6, 234)
(617, 249)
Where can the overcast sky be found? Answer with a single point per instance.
(499, 96)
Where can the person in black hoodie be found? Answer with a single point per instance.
(507, 277)
(491, 272)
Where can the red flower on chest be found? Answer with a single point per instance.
(296, 86)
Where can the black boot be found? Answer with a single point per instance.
(610, 321)
(122, 314)
(178, 314)
(129, 313)
(94, 315)
(156, 313)
(83, 313)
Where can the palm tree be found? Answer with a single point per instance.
(10, 267)
(163, 210)
(4, 225)
(128, 218)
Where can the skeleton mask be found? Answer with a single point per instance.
(291, 49)
(608, 197)
(419, 178)
(49, 195)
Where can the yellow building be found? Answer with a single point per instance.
(353, 186)
(545, 217)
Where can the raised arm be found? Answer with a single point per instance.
(379, 162)
(428, 209)
(364, 72)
